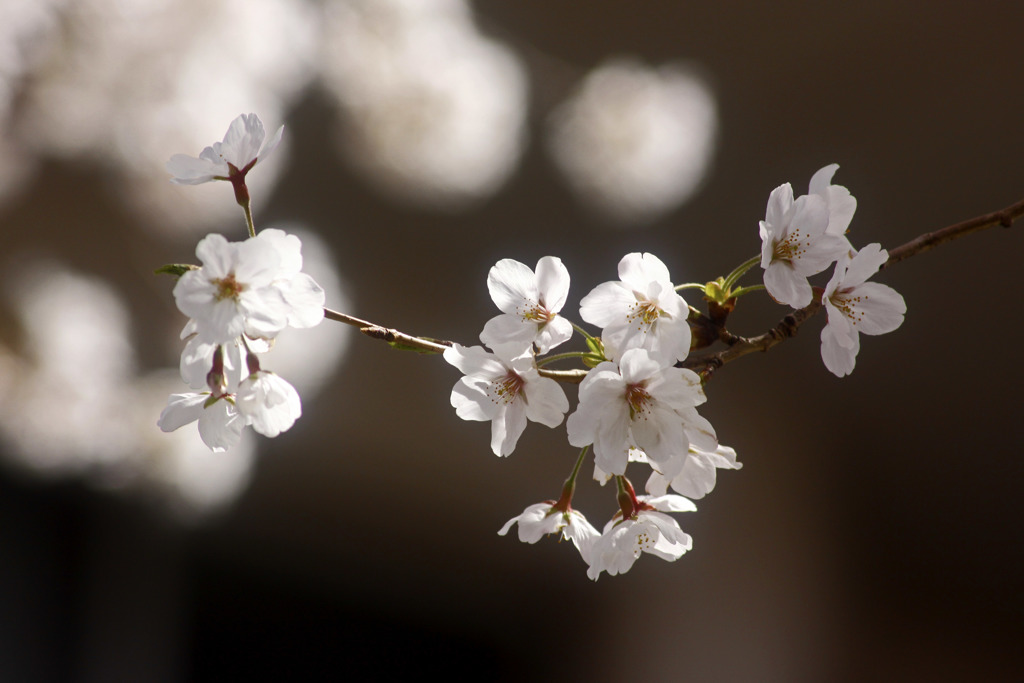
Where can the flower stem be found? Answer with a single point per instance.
(247, 207)
(740, 270)
(690, 285)
(569, 354)
(745, 290)
(569, 487)
(581, 330)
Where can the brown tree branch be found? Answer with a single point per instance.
(707, 363)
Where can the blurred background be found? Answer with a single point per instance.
(876, 529)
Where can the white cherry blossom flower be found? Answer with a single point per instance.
(236, 288)
(855, 306)
(505, 388)
(220, 424)
(529, 303)
(841, 204)
(648, 531)
(795, 244)
(694, 474)
(638, 403)
(641, 310)
(270, 404)
(240, 150)
(541, 519)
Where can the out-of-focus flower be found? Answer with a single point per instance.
(505, 388)
(529, 303)
(635, 142)
(433, 111)
(855, 306)
(640, 311)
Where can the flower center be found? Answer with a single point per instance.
(228, 287)
(639, 401)
(644, 313)
(537, 314)
(644, 542)
(848, 305)
(789, 248)
(508, 388)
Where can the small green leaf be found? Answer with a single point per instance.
(408, 347)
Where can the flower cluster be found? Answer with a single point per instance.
(635, 404)
(803, 237)
(237, 301)
(638, 396)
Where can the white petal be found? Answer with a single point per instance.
(883, 308)
(555, 332)
(220, 426)
(780, 201)
(671, 503)
(181, 409)
(506, 427)
(512, 285)
(471, 401)
(787, 286)
(839, 359)
(475, 361)
(606, 303)
(508, 329)
(552, 283)
(822, 178)
(306, 299)
(545, 401)
(865, 264)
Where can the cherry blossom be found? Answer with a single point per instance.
(649, 530)
(541, 519)
(234, 287)
(639, 403)
(270, 404)
(529, 303)
(855, 306)
(795, 244)
(505, 388)
(641, 310)
(694, 474)
(242, 147)
(220, 424)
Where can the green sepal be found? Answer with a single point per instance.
(597, 348)
(175, 269)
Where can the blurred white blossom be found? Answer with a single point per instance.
(635, 142)
(433, 111)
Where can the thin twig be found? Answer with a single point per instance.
(706, 363)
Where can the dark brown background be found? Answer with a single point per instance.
(874, 533)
